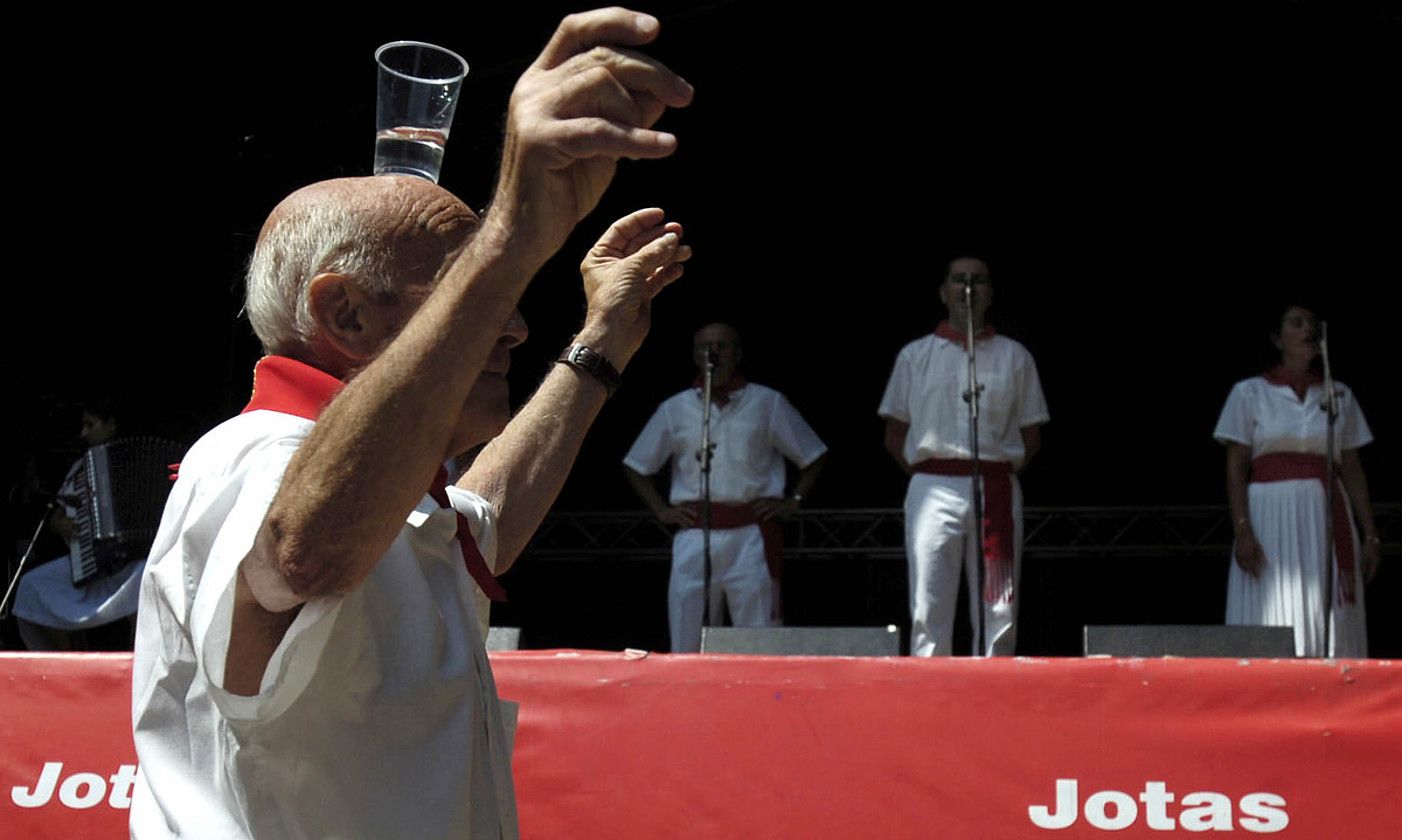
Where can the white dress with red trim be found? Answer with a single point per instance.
(46, 594)
(1288, 517)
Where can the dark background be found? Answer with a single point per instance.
(1152, 184)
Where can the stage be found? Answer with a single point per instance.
(639, 745)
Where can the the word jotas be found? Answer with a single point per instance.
(1162, 810)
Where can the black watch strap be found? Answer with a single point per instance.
(593, 363)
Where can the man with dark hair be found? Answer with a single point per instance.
(308, 662)
(754, 429)
(927, 432)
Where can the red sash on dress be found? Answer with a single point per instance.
(288, 386)
(1289, 466)
(998, 547)
(725, 515)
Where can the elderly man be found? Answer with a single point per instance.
(927, 432)
(307, 661)
(753, 429)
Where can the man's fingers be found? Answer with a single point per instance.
(661, 279)
(591, 137)
(621, 235)
(641, 75)
(578, 32)
(649, 235)
(659, 252)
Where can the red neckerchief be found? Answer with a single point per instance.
(1298, 380)
(947, 330)
(721, 394)
(288, 386)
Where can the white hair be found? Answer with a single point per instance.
(309, 238)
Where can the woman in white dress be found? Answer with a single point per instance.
(1274, 429)
(55, 615)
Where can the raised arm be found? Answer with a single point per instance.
(583, 104)
(522, 470)
(587, 101)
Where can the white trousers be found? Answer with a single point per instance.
(738, 573)
(940, 543)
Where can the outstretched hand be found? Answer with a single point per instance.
(585, 102)
(636, 258)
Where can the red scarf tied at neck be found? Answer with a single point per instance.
(288, 386)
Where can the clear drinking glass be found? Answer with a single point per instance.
(418, 92)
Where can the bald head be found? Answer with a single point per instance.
(384, 232)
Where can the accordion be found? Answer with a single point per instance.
(122, 489)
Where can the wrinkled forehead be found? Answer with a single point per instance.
(423, 224)
(427, 233)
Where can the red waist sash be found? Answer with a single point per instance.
(727, 515)
(1292, 466)
(998, 546)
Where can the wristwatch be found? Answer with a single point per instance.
(592, 362)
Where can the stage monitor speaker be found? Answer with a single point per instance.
(803, 641)
(503, 638)
(1232, 641)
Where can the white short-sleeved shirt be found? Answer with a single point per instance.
(1270, 418)
(377, 716)
(753, 433)
(926, 390)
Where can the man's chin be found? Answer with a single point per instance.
(486, 412)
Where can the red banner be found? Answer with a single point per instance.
(618, 746)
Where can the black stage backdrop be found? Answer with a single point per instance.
(1152, 183)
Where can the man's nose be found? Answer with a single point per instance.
(514, 331)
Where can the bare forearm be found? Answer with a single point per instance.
(894, 441)
(1031, 443)
(1238, 476)
(647, 491)
(522, 470)
(808, 476)
(1356, 484)
(374, 450)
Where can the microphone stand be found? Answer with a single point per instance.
(704, 456)
(1330, 407)
(33, 541)
(972, 398)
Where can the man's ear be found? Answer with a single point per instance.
(346, 317)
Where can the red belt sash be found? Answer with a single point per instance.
(288, 386)
(1291, 466)
(998, 546)
(724, 515)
